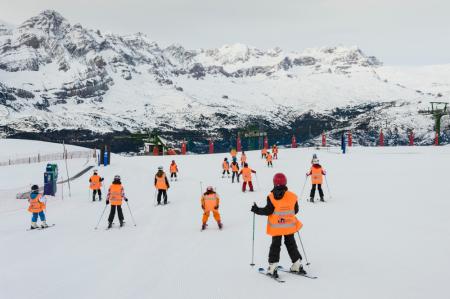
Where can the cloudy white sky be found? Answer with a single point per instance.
(399, 32)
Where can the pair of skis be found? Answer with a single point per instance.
(162, 204)
(41, 228)
(281, 269)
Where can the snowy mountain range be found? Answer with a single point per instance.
(57, 76)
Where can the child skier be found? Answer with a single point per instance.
(37, 206)
(263, 153)
(210, 203)
(225, 167)
(243, 158)
(173, 170)
(233, 154)
(235, 171)
(247, 174)
(116, 195)
(96, 185)
(269, 159)
(281, 208)
(316, 172)
(161, 184)
(275, 151)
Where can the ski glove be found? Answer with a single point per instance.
(107, 202)
(254, 208)
(216, 207)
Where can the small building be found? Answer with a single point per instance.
(155, 145)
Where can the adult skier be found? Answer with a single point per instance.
(316, 172)
(243, 158)
(96, 185)
(225, 167)
(173, 170)
(235, 171)
(161, 184)
(210, 203)
(116, 195)
(247, 174)
(275, 151)
(281, 208)
(269, 159)
(37, 206)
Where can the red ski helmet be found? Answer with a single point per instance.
(279, 179)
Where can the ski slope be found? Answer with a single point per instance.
(385, 233)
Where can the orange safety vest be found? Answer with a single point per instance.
(283, 220)
(96, 183)
(243, 158)
(234, 167)
(161, 182)
(269, 158)
(316, 175)
(115, 194)
(173, 168)
(35, 205)
(264, 151)
(247, 174)
(225, 165)
(275, 150)
(210, 201)
(233, 153)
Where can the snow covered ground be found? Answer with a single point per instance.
(385, 233)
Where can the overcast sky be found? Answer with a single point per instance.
(399, 32)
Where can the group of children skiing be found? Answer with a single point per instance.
(281, 207)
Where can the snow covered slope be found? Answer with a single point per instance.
(383, 234)
(56, 75)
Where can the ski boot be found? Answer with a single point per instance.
(297, 267)
(99, 198)
(33, 225)
(159, 203)
(203, 226)
(219, 224)
(121, 223)
(109, 225)
(44, 224)
(311, 199)
(272, 270)
(322, 199)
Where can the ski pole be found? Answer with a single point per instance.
(257, 182)
(154, 197)
(303, 249)
(303, 188)
(201, 187)
(101, 217)
(328, 187)
(253, 242)
(132, 218)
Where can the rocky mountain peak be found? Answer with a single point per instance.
(48, 21)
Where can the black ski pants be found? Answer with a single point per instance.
(99, 191)
(162, 192)
(226, 171)
(173, 175)
(291, 246)
(313, 190)
(235, 173)
(112, 213)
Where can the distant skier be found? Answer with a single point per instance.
(37, 206)
(235, 171)
(116, 196)
(275, 152)
(316, 172)
(247, 175)
(225, 167)
(173, 170)
(96, 185)
(161, 184)
(243, 158)
(263, 153)
(233, 154)
(210, 203)
(281, 208)
(269, 159)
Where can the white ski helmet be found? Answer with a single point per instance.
(117, 177)
(160, 168)
(315, 161)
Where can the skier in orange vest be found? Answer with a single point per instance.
(161, 184)
(225, 167)
(116, 196)
(243, 158)
(316, 172)
(263, 153)
(269, 159)
(275, 151)
(37, 206)
(96, 185)
(281, 208)
(210, 203)
(235, 171)
(173, 170)
(247, 174)
(233, 154)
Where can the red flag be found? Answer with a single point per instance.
(411, 138)
(350, 139)
(294, 142)
(183, 148)
(381, 143)
(155, 150)
(436, 139)
(211, 146)
(238, 144)
(324, 140)
(266, 143)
